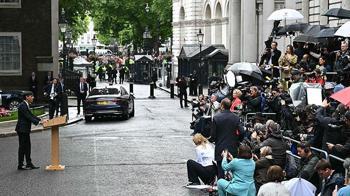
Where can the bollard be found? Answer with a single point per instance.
(64, 105)
(172, 90)
(151, 91)
(200, 89)
(131, 87)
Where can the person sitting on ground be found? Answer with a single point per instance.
(203, 168)
(242, 168)
(236, 101)
(274, 187)
(262, 165)
(308, 162)
(329, 176)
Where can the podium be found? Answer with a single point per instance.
(55, 145)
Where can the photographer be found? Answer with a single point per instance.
(253, 100)
(236, 101)
(342, 150)
(342, 57)
(270, 57)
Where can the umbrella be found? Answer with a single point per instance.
(343, 96)
(309, 34)
(327, 33)
(285, 14)
(300, 187)
(344, 30)
(338, 13)
(245, 68)
(294, 27)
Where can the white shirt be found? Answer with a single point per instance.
(205, 154)
(273, 189)
(26, 103)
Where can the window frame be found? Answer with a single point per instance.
(19, 71)
(11, 5)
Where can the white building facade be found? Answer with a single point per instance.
(240, 25)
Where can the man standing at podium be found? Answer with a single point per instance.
(23, 128)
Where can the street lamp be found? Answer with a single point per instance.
(146, 35)
(94, 42)
(200, 36)
(68, 45)
(62, 23)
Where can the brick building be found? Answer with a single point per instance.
(28, 41)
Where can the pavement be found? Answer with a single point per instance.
(8, 127)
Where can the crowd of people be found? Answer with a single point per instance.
(245, 155)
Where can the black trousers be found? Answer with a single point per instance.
(221, 172)
(24, 148)
(121, 79)
(196, 171)
(81, 99)
(53, 106)
(183, 97)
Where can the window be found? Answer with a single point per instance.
(10, 3)
(10, 54)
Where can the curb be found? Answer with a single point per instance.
(40, 129)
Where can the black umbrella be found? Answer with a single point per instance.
(327, 33)
(294, 27)
(338, 13)
(309, 34)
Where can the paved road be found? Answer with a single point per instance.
(144, 155)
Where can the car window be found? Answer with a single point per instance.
(105, 91)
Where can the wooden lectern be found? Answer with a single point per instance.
(55, 145)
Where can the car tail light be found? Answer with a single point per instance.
(119, 101)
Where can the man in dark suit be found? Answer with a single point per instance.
(271, 57)
(23, 127)
(182, 85)
(81, 93)
(226, 132)
(52, 92)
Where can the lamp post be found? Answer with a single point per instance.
(200, 36)
(62, 23)
(94, 42)
(68, 45)
(146, 35)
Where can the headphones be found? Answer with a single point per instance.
(305, 147)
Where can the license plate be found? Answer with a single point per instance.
(102, 102)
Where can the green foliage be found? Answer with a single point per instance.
(124, 20)
(14, 115)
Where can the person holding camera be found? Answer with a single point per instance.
(342, 57)
(242, 168)
(270, 58)
(203, 168)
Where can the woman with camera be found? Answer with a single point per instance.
(242, 168)
(203, 168)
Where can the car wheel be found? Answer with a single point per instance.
(132, 114)
(126, 116)
(14, 104)
(88, 118)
